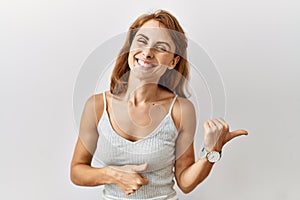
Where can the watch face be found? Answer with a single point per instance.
(213, 156)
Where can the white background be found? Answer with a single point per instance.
(254, 44)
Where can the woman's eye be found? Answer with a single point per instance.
(142, 41)
(161, 48)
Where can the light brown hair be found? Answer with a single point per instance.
(173, 80)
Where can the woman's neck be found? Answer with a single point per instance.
(140, 92)
(143, 94)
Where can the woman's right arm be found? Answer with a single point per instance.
(127, 177)
(81, 171)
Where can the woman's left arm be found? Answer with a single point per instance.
(189, 173)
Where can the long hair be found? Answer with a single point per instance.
(173, 80)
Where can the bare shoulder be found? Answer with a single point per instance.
(183, 104)
(95, 103)
(183, 107)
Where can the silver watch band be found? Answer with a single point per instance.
(212, 156)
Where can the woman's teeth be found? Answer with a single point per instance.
(143, 64)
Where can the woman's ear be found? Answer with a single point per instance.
(174, 62)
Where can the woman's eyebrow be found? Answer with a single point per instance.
(159, 42)
(143, 36)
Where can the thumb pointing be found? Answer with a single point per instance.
(238, 133)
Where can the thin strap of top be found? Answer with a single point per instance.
(170, 110)
(172, 104)
(104, 101)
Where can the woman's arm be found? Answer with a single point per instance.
(81, 171)
(127, 177)
(189, 173)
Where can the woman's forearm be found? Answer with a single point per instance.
(85, 175)
(194, 175)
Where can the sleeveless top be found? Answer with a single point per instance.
(157, 149)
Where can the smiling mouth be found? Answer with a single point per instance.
(145, 65)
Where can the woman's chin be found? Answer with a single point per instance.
(145, 69)
(143, 73)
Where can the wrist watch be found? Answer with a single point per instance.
(212, 156)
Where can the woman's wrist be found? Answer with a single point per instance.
(204, 161)
(108, 175)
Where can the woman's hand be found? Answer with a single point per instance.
(128, 178)
(217, 134)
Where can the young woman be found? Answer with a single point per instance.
(143, 128)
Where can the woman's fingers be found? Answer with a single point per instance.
(211, 124)
(206, 125)
(144, 180)
(131, 179)
(222, 122)
(139, 168)
(130, 191)
(217, 134)
(218, 123)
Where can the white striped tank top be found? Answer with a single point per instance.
(157, 149)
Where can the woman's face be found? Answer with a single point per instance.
(152, 50)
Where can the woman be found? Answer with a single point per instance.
(143, 128)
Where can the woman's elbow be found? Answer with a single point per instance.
(74, 179)
(184, 185)
(186, 190)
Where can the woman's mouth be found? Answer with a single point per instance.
(145, 65)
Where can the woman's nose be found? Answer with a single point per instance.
(147, 52)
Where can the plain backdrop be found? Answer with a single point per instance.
(254, 44)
